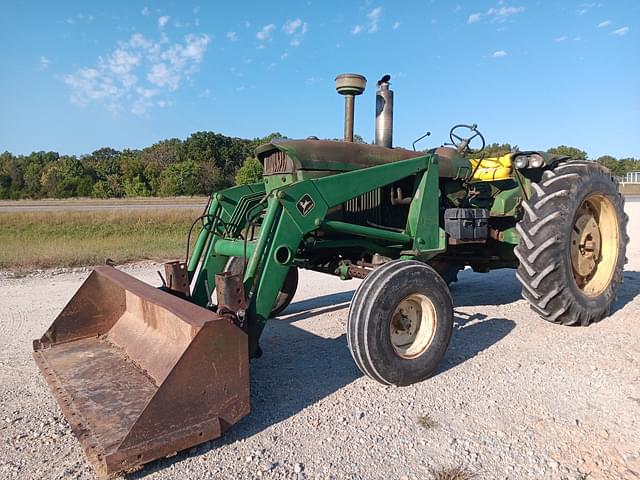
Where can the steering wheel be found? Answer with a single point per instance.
(463, 144)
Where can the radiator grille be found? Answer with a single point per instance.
(365, 208)
(277, 162)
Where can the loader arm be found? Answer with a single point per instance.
(295, 210)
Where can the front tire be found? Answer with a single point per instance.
(573, 243)
(400, 323)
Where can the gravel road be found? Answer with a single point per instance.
(515, 398)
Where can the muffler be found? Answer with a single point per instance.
(384, 113)
(141, 374)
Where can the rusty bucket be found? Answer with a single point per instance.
(141, 374)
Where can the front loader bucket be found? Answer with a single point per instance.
(141, 374)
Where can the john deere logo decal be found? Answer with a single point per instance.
(305, 204)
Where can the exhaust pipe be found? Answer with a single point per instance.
(350, 85)
(384, 113)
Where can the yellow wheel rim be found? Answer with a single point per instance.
(594, 244)
(413, 326)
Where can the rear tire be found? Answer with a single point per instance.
(400, 323)
(573, 243)
(285, 296)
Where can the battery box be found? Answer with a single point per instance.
(467, 224)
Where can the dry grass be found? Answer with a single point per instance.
(123, 202)
(426, 422)
(452, 473)
(31, 240)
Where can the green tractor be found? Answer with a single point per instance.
(404, 221)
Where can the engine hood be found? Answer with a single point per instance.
(290, 156)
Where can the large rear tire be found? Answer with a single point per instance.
(573, 243)
(400, 323)
(285, 296)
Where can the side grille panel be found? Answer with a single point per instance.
(365, 208)
(277, 162)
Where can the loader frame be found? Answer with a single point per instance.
(289, 213)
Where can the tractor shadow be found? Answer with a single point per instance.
(330, 302)
(628, 291)
(300, 368)
(472, 334)
(498, 287)
(501, 287)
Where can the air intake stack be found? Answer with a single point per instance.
(350, 85)
(384, 113)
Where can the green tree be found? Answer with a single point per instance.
(571, 152)
(162, 153)
(612, 163)
(496, 149)
(134, 180)
(250, 172)
(226, 153)
(181, 178)
(64, 178)
(110, 187)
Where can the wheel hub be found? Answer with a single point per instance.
(412, 326)
(594, 244)
(585, 242)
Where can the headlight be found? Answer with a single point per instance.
(536, 161)
(521, 162)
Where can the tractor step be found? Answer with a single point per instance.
(141, 374)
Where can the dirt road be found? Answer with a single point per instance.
(515, 398)
(91, 204)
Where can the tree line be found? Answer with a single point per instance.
(203, 163)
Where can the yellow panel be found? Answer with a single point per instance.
(492, 168)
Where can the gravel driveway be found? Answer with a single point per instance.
(516, 397)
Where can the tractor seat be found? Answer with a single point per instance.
(491, 168)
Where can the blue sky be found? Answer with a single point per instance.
(81, 75)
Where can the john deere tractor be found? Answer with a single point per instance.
(142, 372)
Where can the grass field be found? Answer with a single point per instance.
(31, 240)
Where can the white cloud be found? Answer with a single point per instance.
(499, 54)
(560, 39)
(474, 17)
(145, 11)
(585, 7)
(162, 21)
(296, 29)
(606, 23)
(163, 76)
(266, 33)
(502, 13)
(621, 31)
(144, 100)
(232, 36)
(284, 56)
(499, 14)
(396, 25)
(291, 26)
(137, 72)
(374, 18)
(44, 62)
